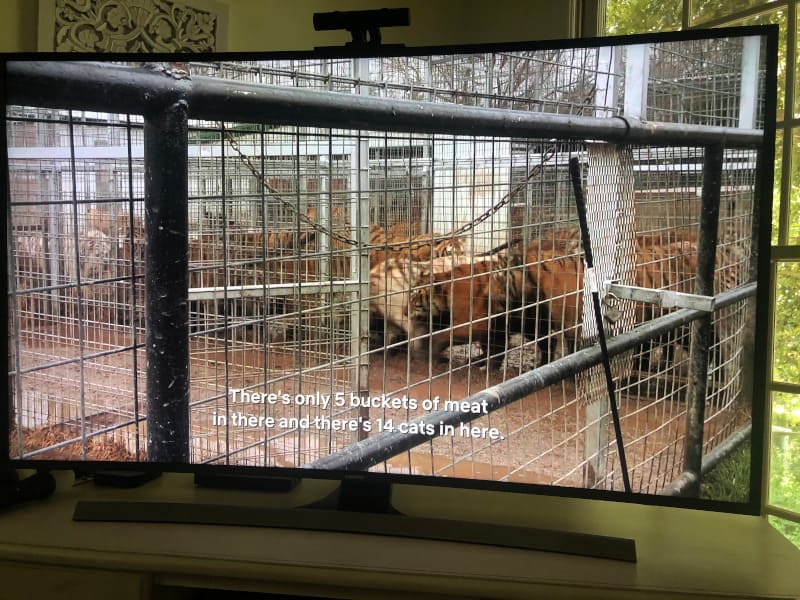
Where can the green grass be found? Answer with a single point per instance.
(730, 479)
(787, 528)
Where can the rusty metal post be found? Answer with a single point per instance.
(702, 329)
(167, 281)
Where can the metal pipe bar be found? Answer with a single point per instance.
(166, 206)
(274, 289)
(702, 330)
(90, 85)
(94, 86)
(374, 450)
(710, 460)
(685, 482)
(724, 448)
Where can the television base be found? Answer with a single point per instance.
(118, 479)
(256, 483)
(370, 523)
(358, 495)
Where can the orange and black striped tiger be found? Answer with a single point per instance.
(298, 256)
(465, 304)
(558, 281)
(530, 290)
(418, 248)
(673, 266)
(391, 284)
(551, 308)
(539, 293)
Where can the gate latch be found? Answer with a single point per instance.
(663, 298)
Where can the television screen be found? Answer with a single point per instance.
(315, 263)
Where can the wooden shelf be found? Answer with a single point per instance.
(681, 553)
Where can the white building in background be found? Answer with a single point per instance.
(436, 181)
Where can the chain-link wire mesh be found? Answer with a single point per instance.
(310, 250)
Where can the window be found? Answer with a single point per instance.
(638, 16)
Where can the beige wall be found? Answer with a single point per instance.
(18, 23)
(287, 24)
(253, 25)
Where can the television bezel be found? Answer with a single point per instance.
(763, 188)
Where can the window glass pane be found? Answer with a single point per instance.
(776, 186)
(708, 10)
(784, 482)
(796, 68)
(642, 16)
(786, 349)
(794, 190)
(787, 528)
(771, 17)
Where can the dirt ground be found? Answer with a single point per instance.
(97, 448)
(541, 438)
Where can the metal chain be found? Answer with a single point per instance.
(534, 172)
(276, 194)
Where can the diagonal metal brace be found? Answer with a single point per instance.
(663, 298)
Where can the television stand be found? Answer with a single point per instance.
(255, 483)
(358, 494)
(371, 515)
(681, 553)
(117, 478)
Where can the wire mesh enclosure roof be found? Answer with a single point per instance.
(696, 82)
(545, 81)
(360, 269)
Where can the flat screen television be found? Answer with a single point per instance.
(369, 265)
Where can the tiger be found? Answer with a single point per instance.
(732, 259)
(115, 222)
(424, 247)
(565, 238)
(553, 297)
(663, 266)
(377, 235)
(485, 299)
(31, 272)
(669, 261)
(94, 253)
(554, 284)
(293, 255)
(397, 243)
(289, 241)
(538, 292)
(297, 254)
(465, 304)
(127, 239)
(404, 229)
(392, 282)
(674, 266)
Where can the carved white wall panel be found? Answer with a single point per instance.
(132, 26)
